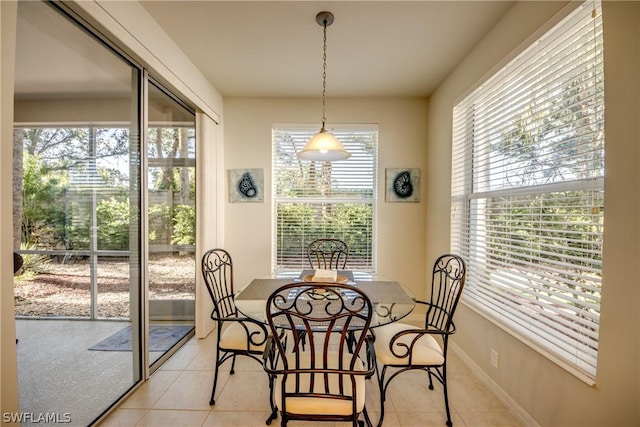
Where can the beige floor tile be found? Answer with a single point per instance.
(163, 418)
(489, 419)
(390, 419)
(181, 359)
(455, 365)
(207, 343)
(149, 392)
(204, 361)
(468, 394)
(372, 395)
(244, 363)
(190, 391)
(177, 395)
(237, 419)
(244, 391)
(427, 419)
(124, 418)
(409, 392)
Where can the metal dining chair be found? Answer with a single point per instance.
(328, 254)
(236, 335)
(325, 381)
(401, 347)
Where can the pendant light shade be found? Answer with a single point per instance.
(324, 147)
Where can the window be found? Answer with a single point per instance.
(528, 192)
(324, 199)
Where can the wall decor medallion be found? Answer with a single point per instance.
(402, 185)
(246, 185)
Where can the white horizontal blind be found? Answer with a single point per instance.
(528, 192)
(315, 200)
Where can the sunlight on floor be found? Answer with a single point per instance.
(178, 395)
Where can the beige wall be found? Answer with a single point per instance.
(8, 371)
(91, 111)
(402, 143)
(131, 26)
(548, 393)
(76, 111)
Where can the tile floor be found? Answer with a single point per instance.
(177, 395)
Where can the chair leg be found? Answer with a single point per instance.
(383, 391)
(430, 378)
(233, 365)
(212, 401)
(272, 416)
(446, 395)
(367, 420)
(274, 408)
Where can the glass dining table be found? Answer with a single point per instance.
(391, 300)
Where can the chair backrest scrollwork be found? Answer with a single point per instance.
(217, 271)
(328, 254)
(448, 279)
(328, 314)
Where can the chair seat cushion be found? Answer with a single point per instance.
(321, 405)
(426, 351)
(234, 336)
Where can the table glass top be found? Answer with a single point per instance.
(391, 301)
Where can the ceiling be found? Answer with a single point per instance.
(374, 48)
(267, 48)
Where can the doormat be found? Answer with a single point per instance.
(161, 338)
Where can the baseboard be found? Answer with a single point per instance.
(502, 395)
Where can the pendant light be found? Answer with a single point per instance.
(324, 147)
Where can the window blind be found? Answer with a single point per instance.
(528, 192)
(313, 200)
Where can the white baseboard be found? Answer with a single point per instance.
(502, 395)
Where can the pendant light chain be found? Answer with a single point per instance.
(323, 146)
(324, 74)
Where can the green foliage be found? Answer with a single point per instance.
(551, 143)
(353, 222)
(300, 223)
(159, 223)
(43, 203)
(113, 224)
(58, 215)
(184, 225)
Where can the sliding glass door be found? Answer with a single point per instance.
(77, 196)
(104, 192)
(171, 222)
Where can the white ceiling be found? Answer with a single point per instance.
(268, 48)
(374, 48)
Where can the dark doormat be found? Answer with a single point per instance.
(161, 338)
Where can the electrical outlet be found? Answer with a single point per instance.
(494, 358)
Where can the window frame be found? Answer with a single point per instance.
(362, 163)
(472, 151)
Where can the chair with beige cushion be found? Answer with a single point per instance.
(328, 254)
(324, 381)
(401, 347)
(236, 335)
